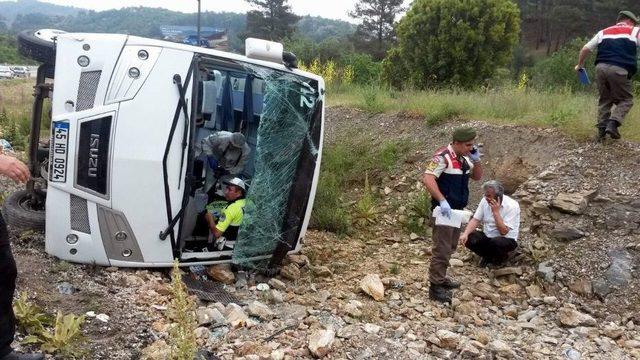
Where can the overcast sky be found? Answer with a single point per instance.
(333, 9)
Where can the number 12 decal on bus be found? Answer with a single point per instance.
(59, 151)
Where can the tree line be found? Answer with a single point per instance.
(437, 42)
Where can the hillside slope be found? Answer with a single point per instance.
(587, 309)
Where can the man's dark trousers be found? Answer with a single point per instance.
(8, 273)
(495, 250)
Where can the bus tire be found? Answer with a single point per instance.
(35, 48)
(20, 215)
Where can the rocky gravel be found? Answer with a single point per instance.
(571, 293)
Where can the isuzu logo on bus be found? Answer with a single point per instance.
(93, 155)
(94, 148)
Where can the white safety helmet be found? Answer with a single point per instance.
(237, 182)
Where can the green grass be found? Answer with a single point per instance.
(352, 161)
(572, 113)
(16, 100)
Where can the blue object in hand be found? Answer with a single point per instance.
(213, 162)
(445, 208)
(583, 77)
(475, 154)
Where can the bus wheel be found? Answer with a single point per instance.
(20, 214)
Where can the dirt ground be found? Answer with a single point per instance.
(537, 164)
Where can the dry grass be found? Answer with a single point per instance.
(571, 113)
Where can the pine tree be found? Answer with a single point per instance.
(376, 32)
(271, 20)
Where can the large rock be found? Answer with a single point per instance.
(545, 271)
(456, 262)
(485, 291)
(299, 259)
(349, 331)
(222, 273)
(202, 333)
(501, 348)
(291, 271)
(322, 271)
(277, 284)
(208, 316)
(582, 287)
(236, 317)
(320, 342)
(468, 308)
(516, 270)
(617, 275)
(469, 351)
(566, 233)
(534, 291)
(372, 285)
(159, 350)
(572, 318)
(260, 310)
(574, 204)
(613, 331)
(448, 339)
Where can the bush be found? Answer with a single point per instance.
(182, 311)
(365, 69)
(455, 42)
(61, 337)
(557, 71)
(371, 103)
(366, 210)
(394, 71)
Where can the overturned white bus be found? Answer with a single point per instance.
(120, 183)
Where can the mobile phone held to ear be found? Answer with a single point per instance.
(474, 150)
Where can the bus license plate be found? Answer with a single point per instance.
(59, 150)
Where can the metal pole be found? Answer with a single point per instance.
(198, 22)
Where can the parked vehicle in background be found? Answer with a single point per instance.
(20, 71)
(193, 40)
(5, 72)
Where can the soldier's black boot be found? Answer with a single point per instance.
(450, 284)
(602, 126)
(439, 293)
(612, 129)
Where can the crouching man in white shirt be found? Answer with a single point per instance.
(500, 218)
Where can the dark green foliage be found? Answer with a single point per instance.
(9, 51)
(365, 69)
(557, 71)
(376, 32)
(548, 25)
(272, 20)
(456, 42)
(307, 50)
(394, 70)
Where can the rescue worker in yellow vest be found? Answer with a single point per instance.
(447, 180)
(224, 229)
